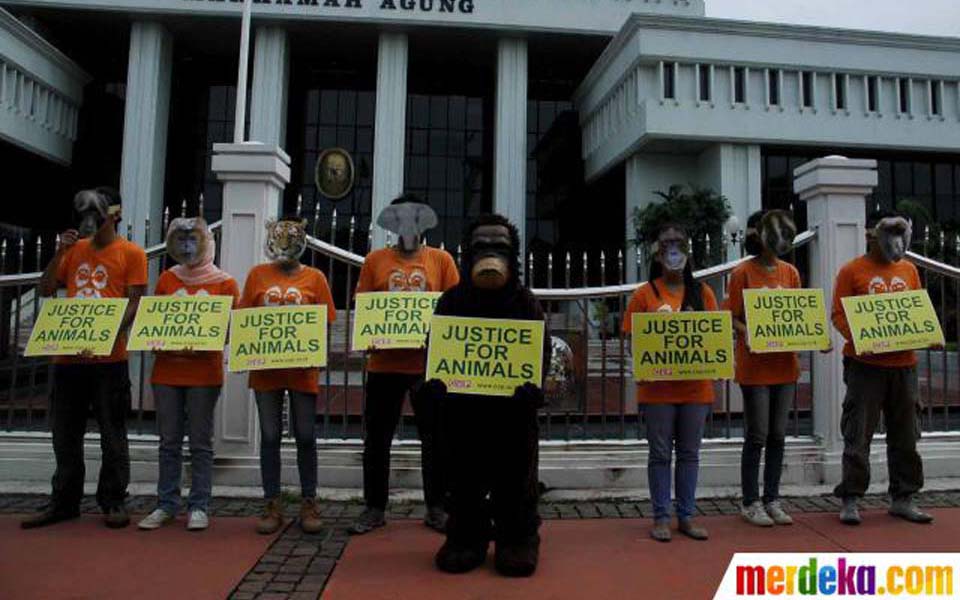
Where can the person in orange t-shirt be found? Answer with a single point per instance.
(768, 382)
(101, 265)
(186, 385)
(878, 383)
(675, 411)
(410, 266)
(285, 281)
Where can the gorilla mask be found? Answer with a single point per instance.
(187, 241)
(93, 209)
(893, 236)
(286, 240)
(409, 221)
(777, 231)
(492, 251)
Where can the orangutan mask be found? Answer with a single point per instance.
(286, 240)
(893, 235)
(93, 209)
(491, 250)
(777, 231)
(409, 221)
(187, 241)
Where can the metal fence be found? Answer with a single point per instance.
(590, 390)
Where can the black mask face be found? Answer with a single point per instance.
(491, 249)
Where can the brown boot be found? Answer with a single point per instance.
(310, 516)
(271, 520)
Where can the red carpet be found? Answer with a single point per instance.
(84, 560)
(612, 558)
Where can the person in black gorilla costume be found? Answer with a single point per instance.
(490, 444)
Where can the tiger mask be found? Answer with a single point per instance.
(286, 240)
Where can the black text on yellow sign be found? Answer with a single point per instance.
(894, 322)
(278, 337)
(682, 346)
(487, 357)
(792, 320)
(392, 320)
(70, 326)
(171, 323)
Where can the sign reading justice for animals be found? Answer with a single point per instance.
(894, 322)
(391, 320)
(682, 345)
(278, 337)
(197, 323)
(792, 320)
(487, 357)
(68, 326)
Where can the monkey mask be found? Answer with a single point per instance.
(409, 221)
(93, 209)
(491, 250)
(672, 248)
(777, 231)
(893, 236)
(190, 243)
(286, 240)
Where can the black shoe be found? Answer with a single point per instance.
(49, 516)
(436, 519)
(460, 558)
(518, 559)
(369, 519)
(116, 517)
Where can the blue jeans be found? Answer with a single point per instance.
(766, 410)
(303, 410)
(180, 408)
(680, 426)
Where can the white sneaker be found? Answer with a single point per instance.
(756, 515)
(155, 520)
(197, 520)
(776, 512)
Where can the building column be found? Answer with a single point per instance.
(254, 176)
(835, 190)
(734, 171)
(390, 127)
(271, 79)
(510, 149)
(145, 122)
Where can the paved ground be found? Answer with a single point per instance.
(299, 566)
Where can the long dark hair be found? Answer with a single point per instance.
(692, 289)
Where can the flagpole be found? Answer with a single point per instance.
(240, 115)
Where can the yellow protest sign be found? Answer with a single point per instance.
(278, 337)
(882, 323)
(793, 320)
(487, 357)
(392, 320)
(68, 326)
(197, 323)
(682, 345)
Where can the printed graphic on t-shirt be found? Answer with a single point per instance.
(277, 296)
(186, 292)
(414, 280)
(879, 285)
(90, 280)
(665, 308)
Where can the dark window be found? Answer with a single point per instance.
(669, 81)
(773, 82)
(904, 86)
(704, 76)
(739, 85)
(872, 94)
(935, 97)
(839, 83)
(807, 82)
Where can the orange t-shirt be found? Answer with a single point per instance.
(864, 276)
(386, 270)
(87, 272)
(668, 392)
(762, 369)
(203, 369)
(267, 285)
